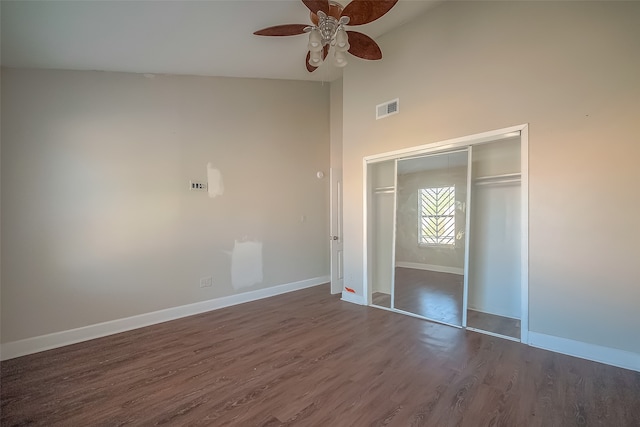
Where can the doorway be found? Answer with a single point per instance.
(337, 243)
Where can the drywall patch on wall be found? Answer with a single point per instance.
(214, 181)
(246, 264)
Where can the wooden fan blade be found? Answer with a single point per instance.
(282, 30)
(316, 5)
(365, 11)
(311, 68)
(335, 10)
(363, 46)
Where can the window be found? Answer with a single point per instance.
(437, 220)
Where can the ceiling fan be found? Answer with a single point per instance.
(329, 19)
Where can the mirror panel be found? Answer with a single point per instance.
(431, 214)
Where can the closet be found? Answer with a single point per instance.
(445, 234)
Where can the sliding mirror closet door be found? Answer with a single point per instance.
(495, 240)
(431, 219)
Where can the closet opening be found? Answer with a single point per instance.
(446, 232)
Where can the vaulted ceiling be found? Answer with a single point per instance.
(212, 38)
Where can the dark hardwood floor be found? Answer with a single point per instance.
(438, 296)
(430, 294)
(493, 323)
(308, 359)
(381, 299)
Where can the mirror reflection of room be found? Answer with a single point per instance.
(430, 236)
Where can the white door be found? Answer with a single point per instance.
(337, 268)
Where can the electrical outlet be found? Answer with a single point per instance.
(206, 282)
(197, 186)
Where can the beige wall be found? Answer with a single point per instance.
(572, 71)
(97, 220)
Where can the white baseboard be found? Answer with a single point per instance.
(430, 267)
(352, 298)
(583, 350)
(23, 347)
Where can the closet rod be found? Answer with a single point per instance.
(498, 181)
(496, 177)
(389, 189)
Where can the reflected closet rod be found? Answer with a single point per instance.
(381, 190)
(498, 179)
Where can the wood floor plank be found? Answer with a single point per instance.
(430, 294)
(309, 359)
(493, 323)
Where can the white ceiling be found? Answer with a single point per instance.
(212, 38)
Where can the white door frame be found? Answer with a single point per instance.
(393, 234)
(336, 245)
(467, 233)
(448, 145)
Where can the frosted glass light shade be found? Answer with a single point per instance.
(342, 40)
(315, 41)
(315, 58)
(340, 59)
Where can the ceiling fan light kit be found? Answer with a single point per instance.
(340, 59)
(328, 32)
(342, 40)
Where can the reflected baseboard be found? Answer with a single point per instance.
(430, 267)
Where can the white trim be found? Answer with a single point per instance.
(393, 234)
(352, 298)
(366, 207)
(524, 234)
(430, 267)
(467, 233)
(597, 353)
(391, 310)
(448, 144)
(335, 228)
(40, 343)
(493, 334)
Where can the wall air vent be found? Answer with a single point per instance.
(387, 109)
